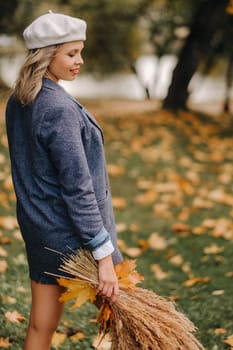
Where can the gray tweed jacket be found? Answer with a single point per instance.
(59, 174)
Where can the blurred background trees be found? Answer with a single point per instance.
(198, 33)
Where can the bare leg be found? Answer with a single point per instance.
(45, 315)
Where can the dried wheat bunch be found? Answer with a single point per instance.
(140, 319)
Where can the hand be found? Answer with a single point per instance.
(108, 282)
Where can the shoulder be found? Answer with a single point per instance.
(54, 102)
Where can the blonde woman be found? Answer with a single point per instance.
(59, 171)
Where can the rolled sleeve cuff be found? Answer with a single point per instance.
(100, 238)
(103, 251)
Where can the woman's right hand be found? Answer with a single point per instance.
(108, 283)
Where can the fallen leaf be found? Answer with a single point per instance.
(115, 170)
(218, 292)
(77, 336)
(176, 260)
(8, 299)
(229, 274)
(133, 252)
(180, 227)
(156, 241)
(134, 228)
(14, 317)
(119, 203)
(201, 203)
(20, 259)
(3, 266)
(3, 252)
(17, 234)
(8, 222)
(209, 223)
(121, 244)
(143, 244)
(121, 227)
(21, 289)
(229, 340)
(146, 198)
(213, 248)
(199, 230)
(219, 331)
(58, 339)
(5, 343)
(5, 240)
(159, 274)
(195, 280)
(162, 210)
(220, 196)
(166, 187)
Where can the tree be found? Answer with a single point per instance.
(14, 14)
(207, 26)
(114, 38)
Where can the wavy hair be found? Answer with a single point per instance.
(29, 81)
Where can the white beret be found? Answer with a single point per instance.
(54, 28)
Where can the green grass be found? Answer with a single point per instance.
(157, 148)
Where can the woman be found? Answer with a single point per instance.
(58, 170)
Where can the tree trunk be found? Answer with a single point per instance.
(229, 84)
(210, 16)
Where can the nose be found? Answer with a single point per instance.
(79, 59)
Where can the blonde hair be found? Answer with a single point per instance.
(29, 81)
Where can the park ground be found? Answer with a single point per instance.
(171, 179)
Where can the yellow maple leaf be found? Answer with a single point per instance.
(127, 276)
(80, 290)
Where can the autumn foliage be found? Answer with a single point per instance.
(171, 178)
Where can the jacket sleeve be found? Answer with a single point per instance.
(61, 135)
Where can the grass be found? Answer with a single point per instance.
(174, 169)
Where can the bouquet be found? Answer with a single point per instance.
(139, 319)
